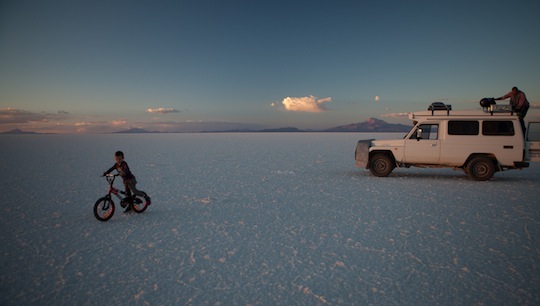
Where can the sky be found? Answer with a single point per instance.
(101, 66)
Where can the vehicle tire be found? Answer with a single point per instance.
(480, 168)
(381, 165)
(140, 203)
(104, 209)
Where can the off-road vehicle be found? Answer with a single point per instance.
(480, 142)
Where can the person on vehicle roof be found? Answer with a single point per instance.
(519, 104)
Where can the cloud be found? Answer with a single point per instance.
(120, 122)
(305, 104)
(395, 115)
(13, 115)
(161, 110)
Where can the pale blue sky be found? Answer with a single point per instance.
(92, 66)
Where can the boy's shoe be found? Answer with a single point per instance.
(128, 209)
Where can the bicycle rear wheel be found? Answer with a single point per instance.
(140, 203)
(104, 209)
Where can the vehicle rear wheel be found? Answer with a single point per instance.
(381, 165)
(480, 168)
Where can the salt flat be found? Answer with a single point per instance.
(259, 219)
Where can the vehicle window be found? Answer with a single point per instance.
(429, 131)
(456, 127)
(498, 128)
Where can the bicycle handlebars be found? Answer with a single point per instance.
(110, 177)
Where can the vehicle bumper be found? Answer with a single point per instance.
(361, 155)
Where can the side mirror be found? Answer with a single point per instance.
(418, 134)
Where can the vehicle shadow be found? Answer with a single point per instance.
(438, 174)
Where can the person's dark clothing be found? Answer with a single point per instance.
(123, 170)
(129, 179)
(519, 104)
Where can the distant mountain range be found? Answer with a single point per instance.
(370, 125)
(135, 131)
(18, 132)
(278, 130)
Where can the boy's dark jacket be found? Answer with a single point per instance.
(123, 170)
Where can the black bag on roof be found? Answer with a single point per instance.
(487, 102)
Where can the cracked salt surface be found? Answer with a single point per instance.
(249, 219)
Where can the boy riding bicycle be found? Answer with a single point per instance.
(129, 179)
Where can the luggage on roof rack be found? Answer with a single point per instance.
(440, 106)
(500, 108)
(490, 106)
(487, 102)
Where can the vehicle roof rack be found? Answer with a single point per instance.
(440, 106)
(490, 106)
(499, 108)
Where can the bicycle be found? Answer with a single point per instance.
(104, 207)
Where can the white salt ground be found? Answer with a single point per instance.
(259, 219)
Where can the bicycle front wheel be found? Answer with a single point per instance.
(104, 209)
(140, 203)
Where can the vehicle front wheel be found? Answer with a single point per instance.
(381, 165)
(480, 168)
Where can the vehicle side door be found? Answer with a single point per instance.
(423, 145)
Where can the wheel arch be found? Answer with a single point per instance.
(490, 156)
(386, 152)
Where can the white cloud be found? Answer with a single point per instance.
(395, 115)
(305, 104)
(12, 115)
(119, 122)
(162, 110)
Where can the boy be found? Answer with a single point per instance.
(129, 179)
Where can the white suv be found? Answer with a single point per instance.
(479, 142)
